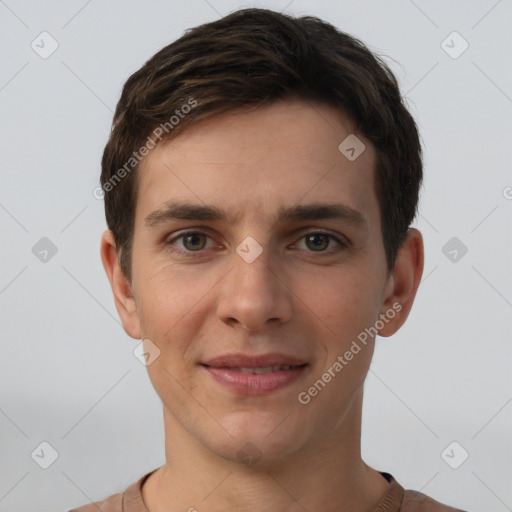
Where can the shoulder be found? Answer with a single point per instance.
(128, 501)
(113, 503)
(398, 499)
(415, 501)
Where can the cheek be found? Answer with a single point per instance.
(174, 389)
(169, 296)
(175, 307)
(343, 305)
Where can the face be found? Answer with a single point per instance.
(258, 262)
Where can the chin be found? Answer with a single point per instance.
(260, 439)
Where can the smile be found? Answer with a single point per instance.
(255, 380)
(266, 369)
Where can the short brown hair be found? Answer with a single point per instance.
(255, 56)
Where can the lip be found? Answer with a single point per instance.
(225, 369)
(253, 361)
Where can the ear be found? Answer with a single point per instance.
(121, 287)
(402, 283)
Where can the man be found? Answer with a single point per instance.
(260, 180)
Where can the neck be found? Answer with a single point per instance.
(327, 475)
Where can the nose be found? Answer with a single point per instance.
(255, 295)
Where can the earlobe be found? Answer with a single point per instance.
(121, 287)
(403, 283)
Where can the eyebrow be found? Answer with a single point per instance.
(173, 210)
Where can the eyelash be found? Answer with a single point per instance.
(195, 254)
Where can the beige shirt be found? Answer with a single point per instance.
(395, 500)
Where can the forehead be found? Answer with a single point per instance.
(260, 161)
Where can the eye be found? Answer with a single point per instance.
(193, 243)
(319, 242)
(189, 242)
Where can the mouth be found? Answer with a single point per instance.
(259, 370)
(255, 375)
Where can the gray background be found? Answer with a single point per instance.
(68, 375)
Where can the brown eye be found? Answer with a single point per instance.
(317, 241)
(190, 244)
(194, 241)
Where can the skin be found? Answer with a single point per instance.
(291, 299)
